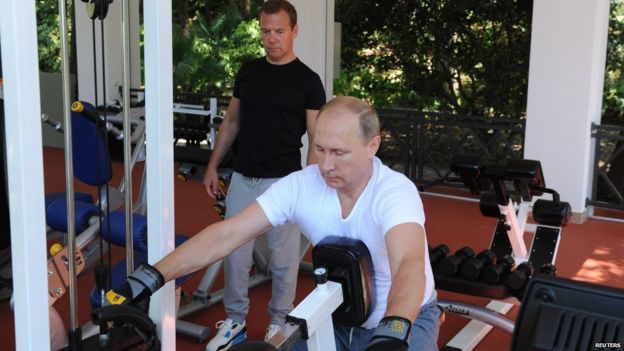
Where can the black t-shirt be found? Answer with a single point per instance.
(273, 103)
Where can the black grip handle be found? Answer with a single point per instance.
(101, 276)
(123, 314)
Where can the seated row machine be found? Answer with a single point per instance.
(556, 313)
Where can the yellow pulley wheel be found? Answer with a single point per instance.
(56, 248)
(77, 106)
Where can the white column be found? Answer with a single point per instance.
(315, 44)
(159, 133)
(20, 67)
(566, 74)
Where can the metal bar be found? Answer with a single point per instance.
(605, 204)
(603, 133)
(480, 325)
(69, 169)
(597, 135)
(615, 154)
(287, 337)
(213, 130)
(607, 127)
(614, 190)
(25, 173)
(127, 147)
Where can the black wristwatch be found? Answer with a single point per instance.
(394, 327)
(392, 334)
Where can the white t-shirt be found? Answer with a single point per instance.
(389, 199)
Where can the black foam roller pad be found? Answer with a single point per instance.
(551, 213)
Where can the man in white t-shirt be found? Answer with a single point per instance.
(348, 193)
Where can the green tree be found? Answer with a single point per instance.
(207, 57)
(613, 96)
(462, 56)
(49, 36)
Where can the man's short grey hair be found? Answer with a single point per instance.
(369, 121)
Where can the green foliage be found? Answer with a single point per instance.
(49, 36)
(208, 55)
(463, 56)
(443, 55)
(613, 96)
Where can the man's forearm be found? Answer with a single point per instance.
(214, 242)
(197, 252)
(225, 138)
(227, 134)
(405, 298)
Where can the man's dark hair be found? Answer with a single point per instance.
(271, 7)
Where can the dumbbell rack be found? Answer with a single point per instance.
(508, 239)
(194, 126)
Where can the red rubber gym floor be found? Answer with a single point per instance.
(593, 252)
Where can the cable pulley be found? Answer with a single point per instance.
(97, 8)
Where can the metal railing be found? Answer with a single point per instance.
(608, 175)
(421, 144)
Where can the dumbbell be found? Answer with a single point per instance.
(219, 206)
(494, 274)
(472, 268)
(185, 172)
(222, 182)
(451, 264)
(520, 276)
(437, 254)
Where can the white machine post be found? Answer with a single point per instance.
(213, 114)
(515, 228)
(18, 31)
(316, 309)
(159, 158)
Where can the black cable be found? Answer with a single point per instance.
(107, 149)
(97, 155)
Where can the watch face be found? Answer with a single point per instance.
(398, 326)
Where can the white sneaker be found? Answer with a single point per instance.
(228, 335)
(271, 330)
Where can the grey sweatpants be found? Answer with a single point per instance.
(283, 243)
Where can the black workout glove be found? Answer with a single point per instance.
(141, 284)
(391, 334)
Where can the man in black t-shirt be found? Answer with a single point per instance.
(275, 100)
